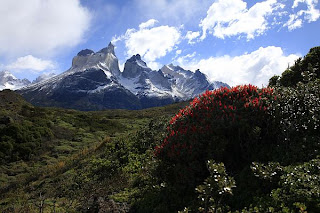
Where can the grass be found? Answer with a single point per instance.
(76, 136)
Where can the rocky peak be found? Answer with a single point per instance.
(43, 77)
(6, 76)
(135, 58)
(85, 52)
(200, 75)
(176, 71)
(134, 67)
(9, 81)
(109, 49)
(104, 59)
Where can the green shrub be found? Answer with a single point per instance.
(217, 187)
(296, 113)
(293, 74)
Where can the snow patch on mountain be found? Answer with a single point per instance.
(94, 81)
(9, 81)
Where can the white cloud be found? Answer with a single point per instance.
(31, 63)
(178, 52)
(226, 18)
(154, 65)
(182, 59)
(293, 23)
(151, 43)
(148, 24)
(191, 36)
(310, 15)
(40, 27)
(255, 68)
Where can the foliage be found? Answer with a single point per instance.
(78, 160)
(264, 140)
(278, 134)
(214, 189)
(294, 74)
(201, 131)
(297, 117)
(297, 186)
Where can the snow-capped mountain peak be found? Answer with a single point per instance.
(9, 81)
(43, 77)
(94, 82)
(134, 67)
(86, 59)
(6, 75)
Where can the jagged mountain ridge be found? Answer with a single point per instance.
(43, 77)
(9, 81)
(94, 82)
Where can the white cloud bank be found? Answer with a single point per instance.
(226, 18)
(297, 19)
(254, 68)
(150, 42)
(31, 63)
(39, 27)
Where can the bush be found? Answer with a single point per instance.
(293, 74)
(227, 125)
(296, 113)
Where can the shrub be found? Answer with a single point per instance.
(216, 121)
(227, 125)
(296, 113)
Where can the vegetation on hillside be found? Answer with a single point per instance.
(47, 150)
(303, 68)
(242, 149)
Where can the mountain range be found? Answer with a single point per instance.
(9, 81)
(95, 82)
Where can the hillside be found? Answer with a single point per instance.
(39, 143)
(240, 149)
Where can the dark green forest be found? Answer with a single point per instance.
(243, 149)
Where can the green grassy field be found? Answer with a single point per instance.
(61, 140)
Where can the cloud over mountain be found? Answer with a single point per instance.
(40, 27)
(30, 62)
(255, 68)
(151, 42)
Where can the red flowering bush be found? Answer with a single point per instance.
(227, 125)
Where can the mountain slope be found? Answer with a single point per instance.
(90, 84)
(94, 82)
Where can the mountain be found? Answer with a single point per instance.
(94, 82)
(167, 85)
(43, 77)
(9, 81)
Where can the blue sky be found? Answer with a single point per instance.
(234, 41)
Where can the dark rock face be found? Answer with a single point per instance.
(85, 52)
(94, 82)
(89, 90)
(135, 67)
